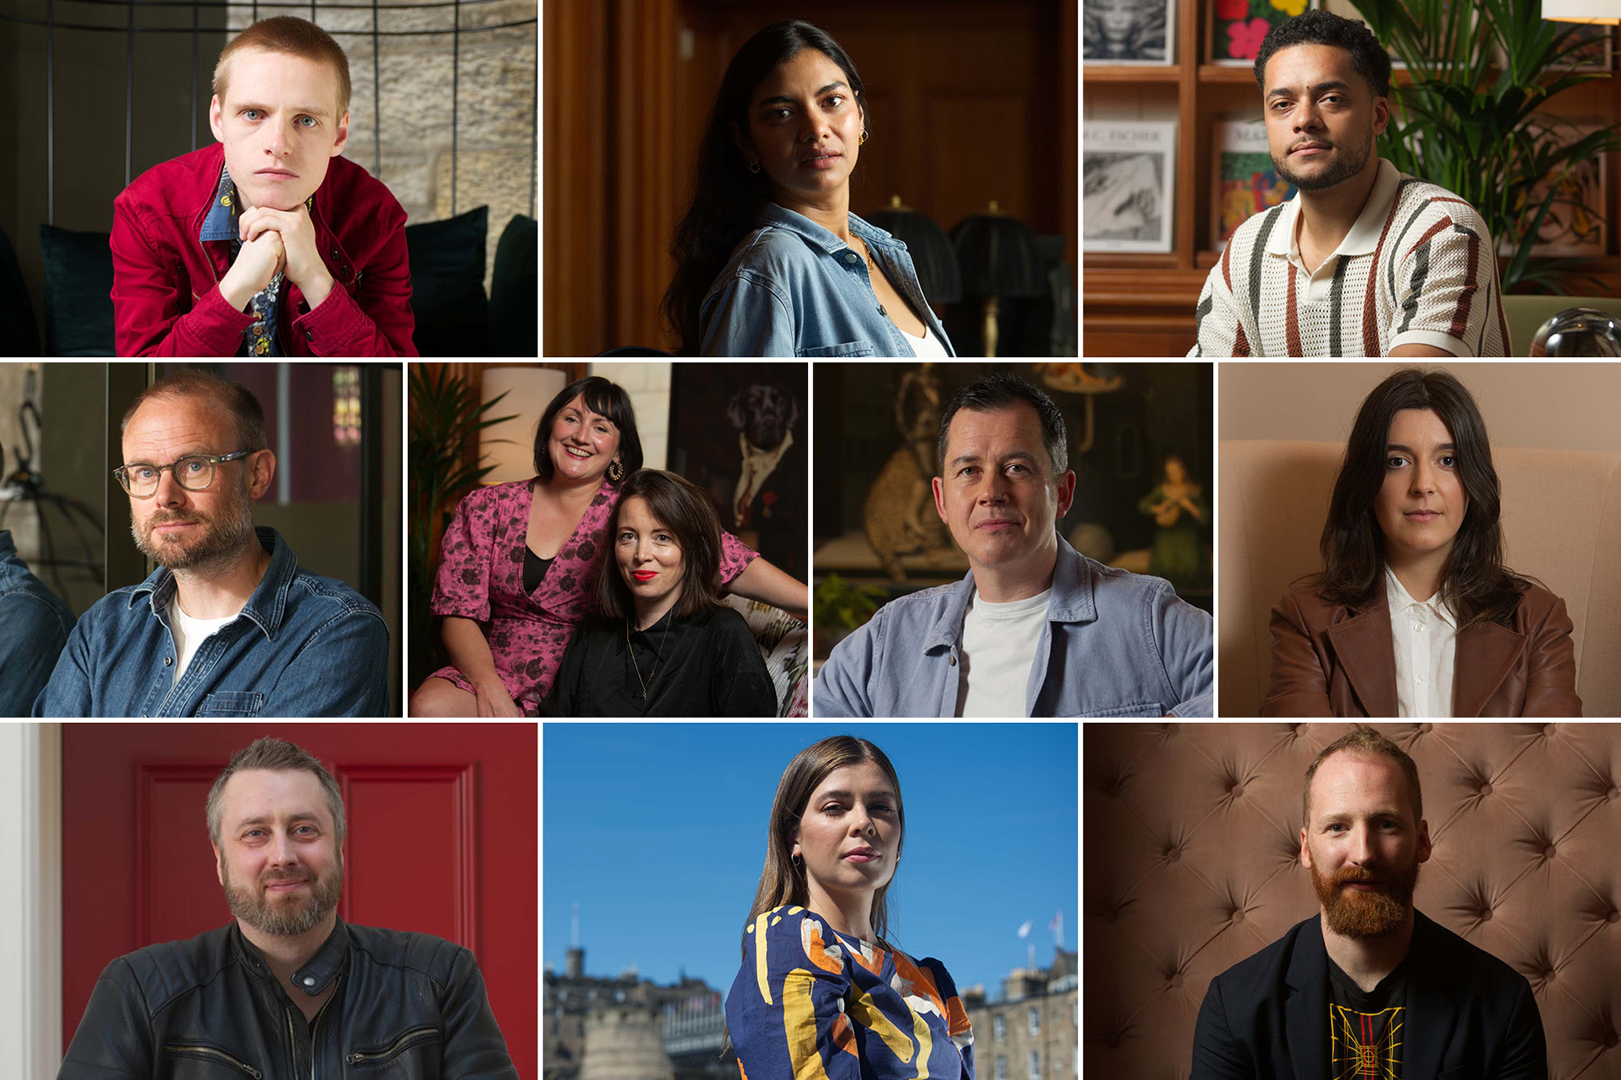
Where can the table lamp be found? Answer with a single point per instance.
(1583, 11)
(998, 257)
(932, 253)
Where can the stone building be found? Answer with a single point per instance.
(1033, 1032)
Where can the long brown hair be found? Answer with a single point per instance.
(1475, 581)
(781, 882)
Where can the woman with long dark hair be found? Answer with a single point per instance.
(521, 560)
(769, 259)
(663, 644)
(821, 992)
(1414, 613)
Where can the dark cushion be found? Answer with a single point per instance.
(17, 328)
(447, 285)
(78, 292)
(514, 290)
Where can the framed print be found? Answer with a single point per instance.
(1246, 181)
(1237, 27)
(1128, 31)
(1128, 170)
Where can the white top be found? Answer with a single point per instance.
(926, 346)
(998, 648)
(1426, 640)
(190, 633)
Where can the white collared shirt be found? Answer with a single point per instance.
(1425, 636)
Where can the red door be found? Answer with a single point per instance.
(442, 839)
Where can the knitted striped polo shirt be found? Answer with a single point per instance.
(1418, 267)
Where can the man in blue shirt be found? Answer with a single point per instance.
(1035, 628)
(229, 625)
(34, 625)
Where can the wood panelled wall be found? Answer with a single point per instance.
(969, 101)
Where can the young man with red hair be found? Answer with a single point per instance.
(267, 242)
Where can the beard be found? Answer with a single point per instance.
(1351, 160)
(224, 534)
(1365, 914)
(283, 916)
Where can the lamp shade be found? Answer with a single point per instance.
(931, 251)
(510, 445)
(1583, 11)
(998, 256)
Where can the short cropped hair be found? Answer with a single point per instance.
(295, 37)
(684, 509)
(999, 391)
(275, 755)
(233, 397)
(1365, 740)
(1319, 27)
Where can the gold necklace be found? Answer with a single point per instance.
(657, 657)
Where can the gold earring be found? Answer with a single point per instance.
(616, 471)
(863, 141)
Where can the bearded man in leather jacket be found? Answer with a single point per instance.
(287, 990)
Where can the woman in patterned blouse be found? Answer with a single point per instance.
(821, 992)
(520, 561)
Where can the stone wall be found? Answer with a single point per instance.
(495, 72)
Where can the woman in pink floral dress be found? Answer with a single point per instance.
(509, 609)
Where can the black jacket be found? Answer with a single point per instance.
(1469, 1015)
(406, 1006)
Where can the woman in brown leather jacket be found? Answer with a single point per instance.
(1414, 613)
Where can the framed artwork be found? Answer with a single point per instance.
(1128, 171)
(1236, 28)
(1246, 180)
(738, 432)
(1128, 32)
(1575, 223)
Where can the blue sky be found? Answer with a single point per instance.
(658, 832)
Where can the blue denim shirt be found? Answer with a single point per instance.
(304, 645)
(34, 625)
(795, 289)
(1115, 644)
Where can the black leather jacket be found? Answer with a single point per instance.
(406, 1007)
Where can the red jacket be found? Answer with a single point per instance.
(166, 297)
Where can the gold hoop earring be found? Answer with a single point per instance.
(616, 471)
(863, 141)
(754, 166)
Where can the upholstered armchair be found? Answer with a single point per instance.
(1561, 525)
(1191, 863)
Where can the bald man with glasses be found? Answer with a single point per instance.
(228, 625)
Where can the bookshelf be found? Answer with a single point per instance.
(1143, 304)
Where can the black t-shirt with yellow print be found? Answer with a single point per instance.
(1366, 1030)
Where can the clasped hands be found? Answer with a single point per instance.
(272, 241)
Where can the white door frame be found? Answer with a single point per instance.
(31, 900)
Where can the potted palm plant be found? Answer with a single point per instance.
(1476, 128)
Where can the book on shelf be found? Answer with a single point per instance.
(1246, 181)
(1128, 32)
(1128, 178)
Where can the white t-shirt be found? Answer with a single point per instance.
(1425, 637)
(190, 633)
(926, 346)
(998, 646)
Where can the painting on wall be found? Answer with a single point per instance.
(739, 432)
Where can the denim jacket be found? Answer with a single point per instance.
(34, 625)
(304, 645)
(1115, 644)
(795, 289)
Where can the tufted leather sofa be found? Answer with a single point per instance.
(1561, 519)
(1191, 863)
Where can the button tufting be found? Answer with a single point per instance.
(1173, 853)
(1176, 980)
(1172, 729)
(1549, 851)
(1614, 793)
(1547, 729)
(1485, 789)
(1485, 914)
(1613, 916)
(1238, 915)
(1425, 729)
(1237, 789)
(1611, 1039)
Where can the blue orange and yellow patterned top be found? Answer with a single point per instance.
(811, 1003)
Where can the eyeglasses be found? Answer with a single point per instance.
(193, 472)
